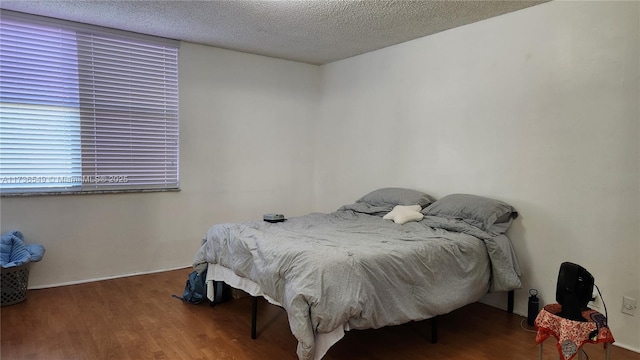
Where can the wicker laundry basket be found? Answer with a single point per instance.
(14, 283)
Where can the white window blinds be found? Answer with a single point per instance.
(85, 109)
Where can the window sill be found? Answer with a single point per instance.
(89, 192)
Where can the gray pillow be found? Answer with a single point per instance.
(492, 216)
(396, 196)
(367, 209)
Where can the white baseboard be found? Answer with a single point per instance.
(626, 347)
(107, 278)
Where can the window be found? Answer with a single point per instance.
(85, 109)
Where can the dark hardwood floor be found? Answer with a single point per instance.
(136, 318)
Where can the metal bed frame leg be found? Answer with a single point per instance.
(254, 316)
(510, 295)
(434, 320)
(434, 329)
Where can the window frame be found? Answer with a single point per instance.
(97, 183)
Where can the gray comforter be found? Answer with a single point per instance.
(359, 271)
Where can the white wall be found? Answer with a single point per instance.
(538, 108)
(244, 152)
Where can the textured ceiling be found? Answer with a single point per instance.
(310, 31)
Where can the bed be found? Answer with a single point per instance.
(393, 256)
